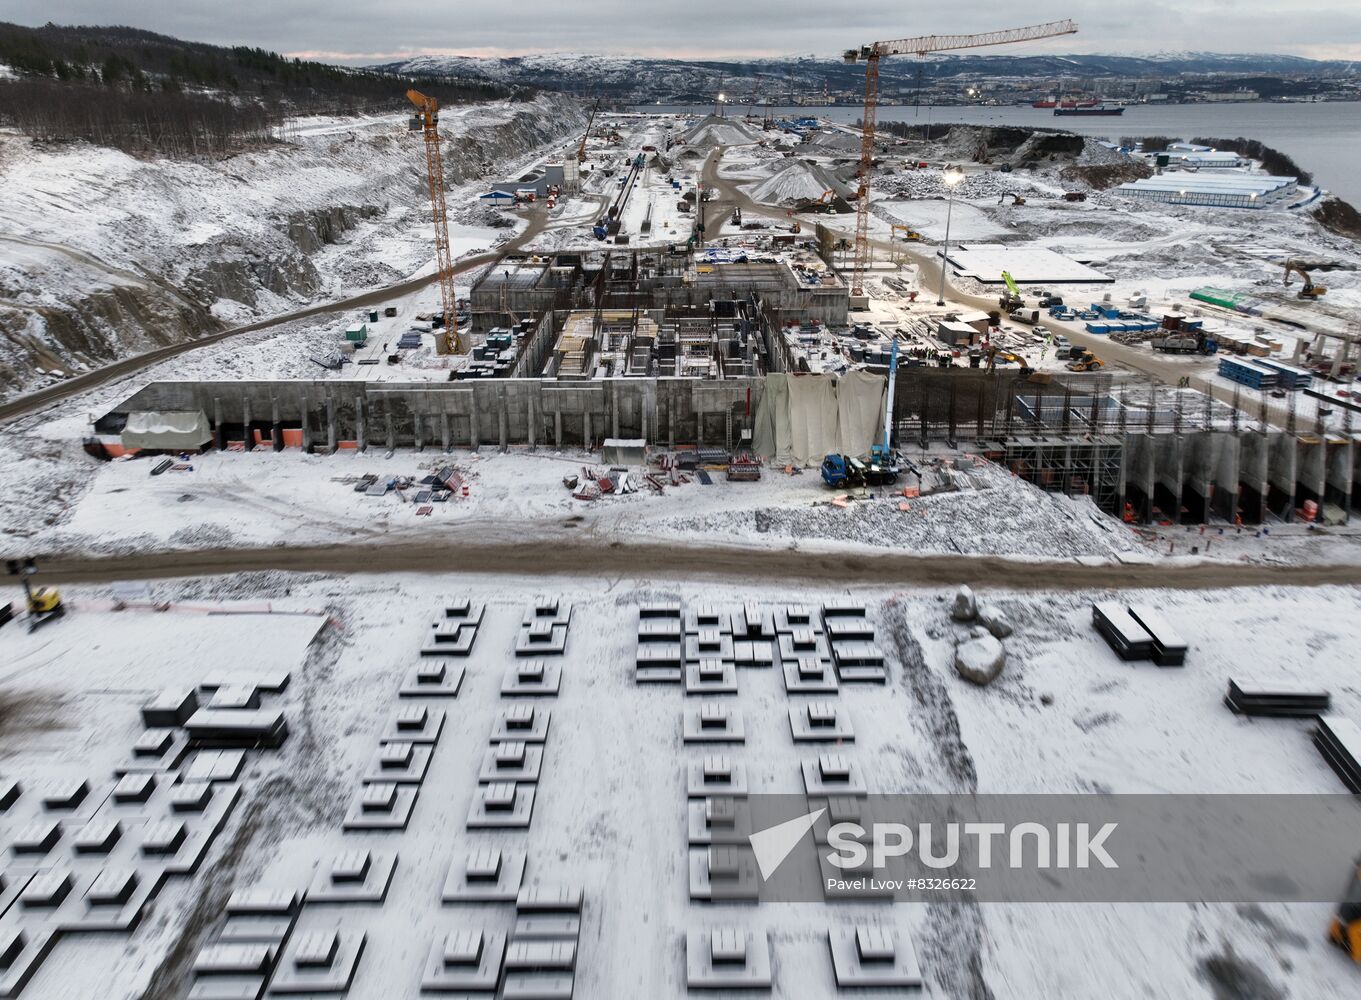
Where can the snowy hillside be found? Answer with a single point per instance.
(104, 254)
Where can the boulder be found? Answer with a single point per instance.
(965, 608)
(980, 660)
(994, 620)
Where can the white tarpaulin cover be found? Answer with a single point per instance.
(860, 411)
(812, 417)
(167, 430)
(770, 432)
(801, 418)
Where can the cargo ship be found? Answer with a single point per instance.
(1098, 109)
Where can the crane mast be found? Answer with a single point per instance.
(921, 46)
(428, 108)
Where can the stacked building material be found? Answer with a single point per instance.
(1339, 740)
(1275, 697)
(226, 728)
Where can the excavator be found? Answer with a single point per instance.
(1016, 199)
(826, 197)
(1310, 290)
(43, 604)
(1085, 362)
(1345, 929)
(907, 233)
(1000, 355)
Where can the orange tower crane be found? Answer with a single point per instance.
(428, 116)
(875, 51)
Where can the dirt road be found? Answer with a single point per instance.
(536, 554)
(33, 401)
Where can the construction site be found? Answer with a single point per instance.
(468, 625)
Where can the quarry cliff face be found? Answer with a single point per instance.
(103, 256)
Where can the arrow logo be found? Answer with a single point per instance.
(771, 846)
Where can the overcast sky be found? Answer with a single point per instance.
(383, 30)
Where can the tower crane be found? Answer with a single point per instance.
(428, 115)
(581, 150)
(922, 46)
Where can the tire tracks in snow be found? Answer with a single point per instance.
(953, 940)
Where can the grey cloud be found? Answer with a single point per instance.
(362, 32)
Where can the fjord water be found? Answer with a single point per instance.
(1323, 138)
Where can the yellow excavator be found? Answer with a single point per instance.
(1000, 355)
(1345, 929)
(1016, 199)
(1303, 268)
(1085, 362)
(44, 604)
(904, 232)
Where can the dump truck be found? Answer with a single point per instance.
(1185, 343)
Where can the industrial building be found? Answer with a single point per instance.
(538, 181)
(1194, 157)
(1220, 190)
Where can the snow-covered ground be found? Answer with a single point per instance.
(1065, 717)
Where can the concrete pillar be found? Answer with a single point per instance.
(330, 425)
(361, 440)
(305, 408)
(557, 429)
(474, 440)
(1228, 476)
(1139, 475)
(614, 408)
(247, 435)
(418, 431)
(1281, 477)
(532, 418)
(1199, 485)
(671, 416)
(444, 429)
(387, 418)
(276, 431)
(1341, 464)
(1167, 454)
(587, 437)
(1253, 479)
(503, 419)
(1311, 473)
(219, 434)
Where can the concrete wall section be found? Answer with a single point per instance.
(1340, 484)
(1139, 476)
(1281, 465)
(498, 412)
